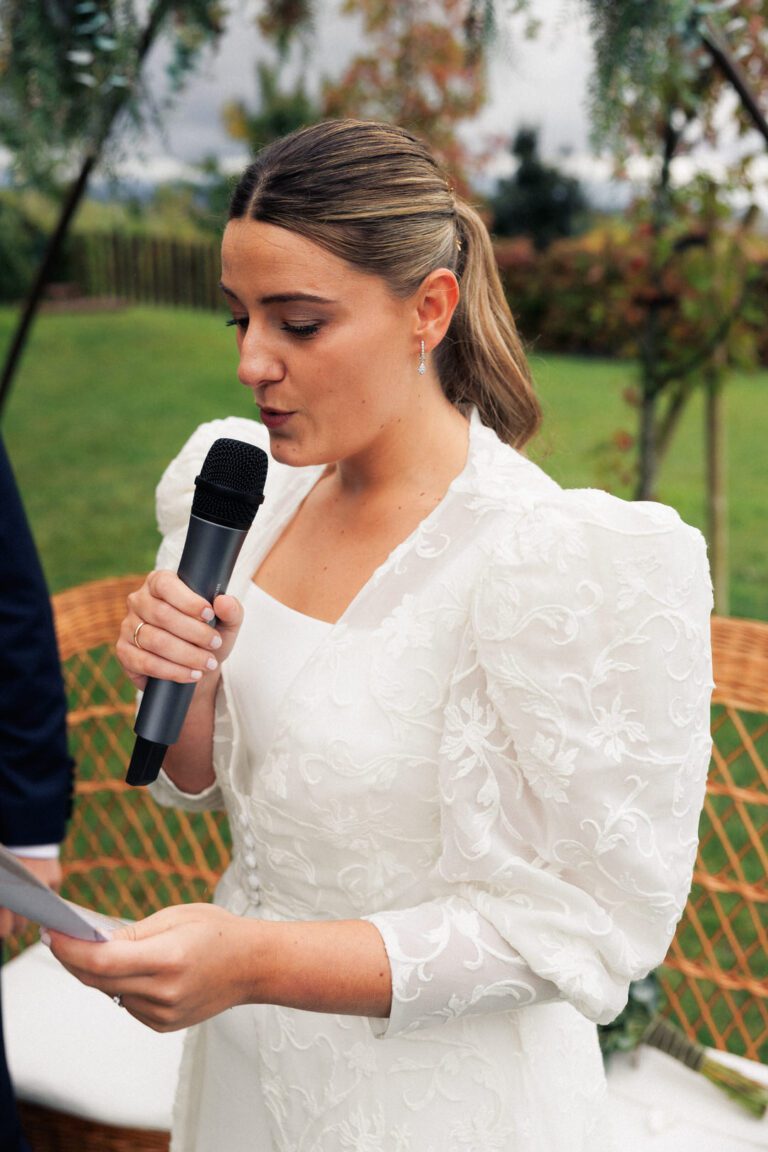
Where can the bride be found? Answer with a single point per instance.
(458, 716)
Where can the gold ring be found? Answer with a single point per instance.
(136, 631)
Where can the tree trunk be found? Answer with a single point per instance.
(669, 421)
(652, 338)
(646, 474)
(717, 488)
(35, 293)
(71, 203)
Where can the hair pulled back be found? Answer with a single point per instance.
(373, 195)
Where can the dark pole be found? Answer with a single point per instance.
(71, 203)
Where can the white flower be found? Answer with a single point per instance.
(550, 768)
(480, 1129)
(614, 728)
(633, 579)
(406, 627)
(467, 728)
(571, 965)
(367, 1131)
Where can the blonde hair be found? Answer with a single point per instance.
(373, 195)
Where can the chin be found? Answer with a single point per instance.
(287, 450)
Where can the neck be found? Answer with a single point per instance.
(426, 449)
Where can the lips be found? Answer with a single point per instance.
(274, 418)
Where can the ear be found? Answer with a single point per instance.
(436, 300)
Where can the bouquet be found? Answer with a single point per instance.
(642, 1023)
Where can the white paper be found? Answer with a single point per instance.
(24, 894)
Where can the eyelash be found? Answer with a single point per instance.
(301, 331)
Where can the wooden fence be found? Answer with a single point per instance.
(147, 270)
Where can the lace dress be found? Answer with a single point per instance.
(498, 757)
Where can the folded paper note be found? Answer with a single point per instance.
(24, 894)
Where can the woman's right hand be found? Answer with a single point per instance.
(176, 641)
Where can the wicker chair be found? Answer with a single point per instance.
(123, 854)
(127, 857)
(715, 978)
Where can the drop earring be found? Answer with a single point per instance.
(422, 360)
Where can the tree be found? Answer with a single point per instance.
(423, 68)
(537, 200)
(279, 111)
(661, 72)
(68, 70)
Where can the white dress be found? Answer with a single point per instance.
(498, 757)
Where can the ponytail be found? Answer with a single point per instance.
(481, 361)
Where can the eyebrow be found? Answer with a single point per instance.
(283, 297)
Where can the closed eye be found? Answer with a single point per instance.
(303, 331)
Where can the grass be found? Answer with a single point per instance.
(100, 405)
(584, 407)
(103, 400)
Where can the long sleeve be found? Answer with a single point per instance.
(36, 770)
(573, 763)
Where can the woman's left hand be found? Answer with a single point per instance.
(173, 969)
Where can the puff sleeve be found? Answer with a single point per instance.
(572, 767)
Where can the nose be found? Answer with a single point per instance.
(259, 363)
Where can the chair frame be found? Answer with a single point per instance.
(715, 977)
(185, 855)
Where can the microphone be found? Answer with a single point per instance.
(228, 493)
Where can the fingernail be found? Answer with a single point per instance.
(211, 663)
(195, 674)
(45, 938)
(216, 641)
(208, 615)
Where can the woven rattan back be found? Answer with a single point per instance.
(126, 856)
(123, 855)
(716, 974)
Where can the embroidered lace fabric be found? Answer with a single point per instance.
(498, 757)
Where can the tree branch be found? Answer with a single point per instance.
(719, 50)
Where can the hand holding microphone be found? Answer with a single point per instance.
(167, 635)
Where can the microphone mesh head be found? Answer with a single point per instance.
(230, 486)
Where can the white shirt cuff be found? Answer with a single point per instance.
(36, 851)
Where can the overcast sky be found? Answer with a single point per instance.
(541, 82)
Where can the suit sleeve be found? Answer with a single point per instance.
(36, 770)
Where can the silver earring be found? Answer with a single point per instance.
(422, 360)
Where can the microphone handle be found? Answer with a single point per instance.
(210, 552)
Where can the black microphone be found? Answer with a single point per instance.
(228, 493)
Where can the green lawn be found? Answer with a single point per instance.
(100, 405)
(103, 400)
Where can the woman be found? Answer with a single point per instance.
(463, 735)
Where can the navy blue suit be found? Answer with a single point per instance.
(35, 766)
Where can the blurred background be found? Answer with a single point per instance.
(616, 150)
